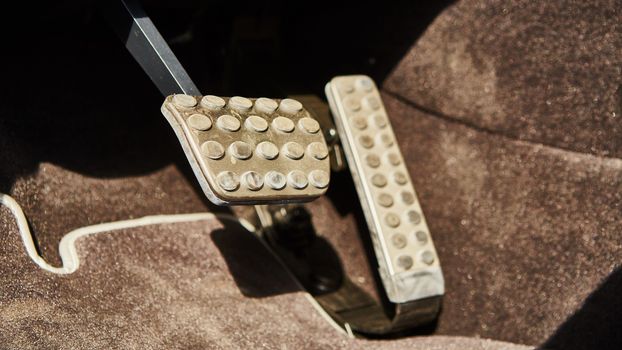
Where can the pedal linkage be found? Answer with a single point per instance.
(269, 151)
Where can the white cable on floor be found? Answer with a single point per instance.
(67, 248)
(71, 260)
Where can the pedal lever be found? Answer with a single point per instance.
(408, 264)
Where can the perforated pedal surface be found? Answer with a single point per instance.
(407, 259)
(251, 151)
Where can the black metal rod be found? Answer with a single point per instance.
(147, 46)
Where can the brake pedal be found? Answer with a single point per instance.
(408, 263)
(251, 151)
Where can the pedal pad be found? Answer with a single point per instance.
(408, 263)
(251, 151)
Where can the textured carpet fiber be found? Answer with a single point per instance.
(200, 285)
(548, 71)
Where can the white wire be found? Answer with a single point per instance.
(67, 248)
(71, 261)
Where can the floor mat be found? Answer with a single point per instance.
(524, 232)
(547, 72)
(195, 285)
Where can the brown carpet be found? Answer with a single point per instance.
(548, 71)
(525, 232)
(533, 227)
(200, 285)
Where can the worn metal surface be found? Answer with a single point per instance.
(247, 151)
(407, 259)
(143, 40)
